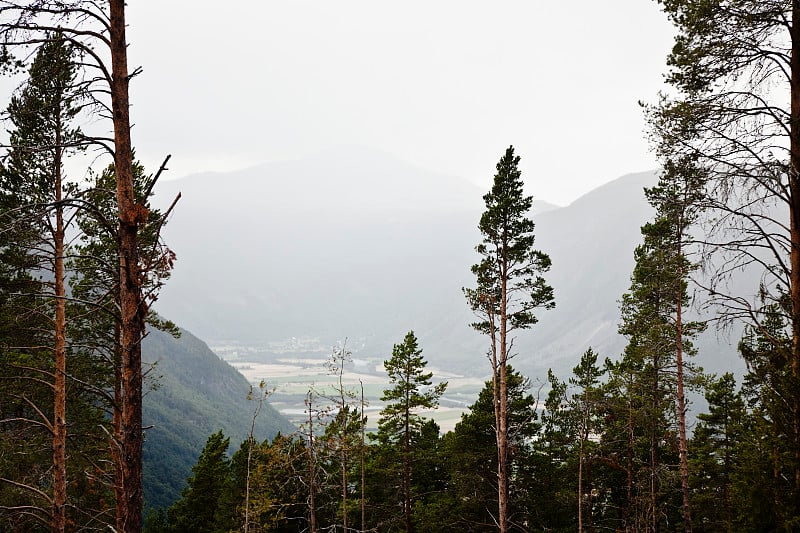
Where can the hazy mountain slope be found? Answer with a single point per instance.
(360, 245)
(316, 248)
(195, 395)
(591, 244)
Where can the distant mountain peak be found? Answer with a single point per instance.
(541, 206)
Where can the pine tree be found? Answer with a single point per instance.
(400, 420)
(195, 512)
(652, 319)
(677, 199)
(734, 108)
(764, 485)
(98, 30)
(585, 405)
(36, 190)
(94, 282)
(715, 445)
(509, 290)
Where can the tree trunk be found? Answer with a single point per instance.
(502, 418)
(60, 354)
(132, 307)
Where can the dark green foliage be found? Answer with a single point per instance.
(508, 255)
(550, 470)
(196, 394)
(586, 405)
(470, 455)
(400, 426)
(195, 511)
(734, 113)
(411, 392)
(767, 456)
(653, 371)
(509, 289)
(41, 115)
(715, 447)
(35, 207)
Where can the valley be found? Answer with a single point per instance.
(290, 375)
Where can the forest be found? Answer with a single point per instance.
(612, 447)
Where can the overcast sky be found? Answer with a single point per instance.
(446, 85)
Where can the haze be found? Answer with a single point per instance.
(443, 85)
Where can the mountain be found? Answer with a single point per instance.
(360, 245)
(193, 393)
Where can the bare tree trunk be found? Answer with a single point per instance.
(250, 441)
(343, 442)
(60, 354)
(132, 307)
(502, 409)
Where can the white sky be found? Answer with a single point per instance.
(443, 84)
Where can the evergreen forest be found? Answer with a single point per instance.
(638, 441)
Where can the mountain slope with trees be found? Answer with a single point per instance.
(192, 394)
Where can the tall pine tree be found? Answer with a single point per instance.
(509, 290)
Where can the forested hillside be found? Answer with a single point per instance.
(192, 393)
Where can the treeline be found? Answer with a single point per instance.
(601, 445)
(610, 448)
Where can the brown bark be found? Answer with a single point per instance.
(794, 280)
(502, 410)
(132, 307)
(60, 354)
